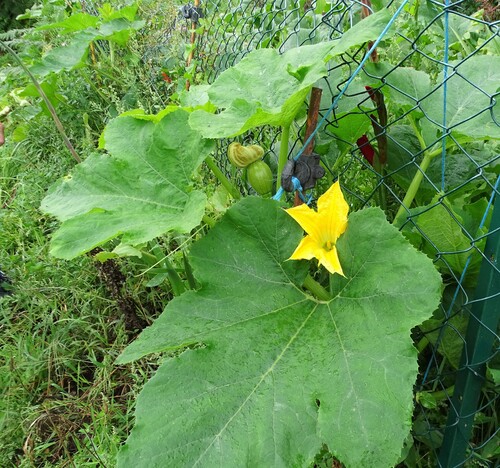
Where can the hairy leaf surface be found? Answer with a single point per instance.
(278, 373)
(139, 191)
(267, 88)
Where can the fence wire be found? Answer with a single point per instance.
(426, 97)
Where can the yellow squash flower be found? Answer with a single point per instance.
(323, 228)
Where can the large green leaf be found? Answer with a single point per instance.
(267, 88)
(139, 192)
(76, 22)
(470, 100)
(81, 21)
(470, 95)
(404, 85)
(278, 373)
(349, 127)
(66, 57)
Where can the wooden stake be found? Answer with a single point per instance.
(312, 122)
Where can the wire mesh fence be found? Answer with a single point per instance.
(420, 114)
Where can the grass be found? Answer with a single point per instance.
(63, 401)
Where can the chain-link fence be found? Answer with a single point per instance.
(416, 131)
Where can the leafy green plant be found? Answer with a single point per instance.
(117, 201)
(267, 88)
(284, 338)
(469, 116)
(115, 26)
(296, 73)
(331, 333)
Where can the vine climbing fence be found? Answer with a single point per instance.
(409, 123)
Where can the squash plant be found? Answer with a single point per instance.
(263, 365)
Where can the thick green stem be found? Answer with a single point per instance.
(443, 394)
(418, 177)
(417, 131)
(175, 280)
(233, 191)
(383, 196)
(316, 289)
(283, 156)
(49, 105)
(413, 189)
(439, 396)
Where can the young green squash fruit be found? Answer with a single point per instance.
(260, 177)
(259, 174)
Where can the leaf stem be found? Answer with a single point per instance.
(233, 191)
(175, 280)
(413, 188)
(49, 105)
(417, 131)
(283, 156)
(441, 395)
(316, 289)
(418, 177)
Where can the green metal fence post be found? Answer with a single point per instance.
(481, 333)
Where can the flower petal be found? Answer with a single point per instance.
(307, 249)
(323, 228)
(333, 209)
(330, 260)
(308, 219)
